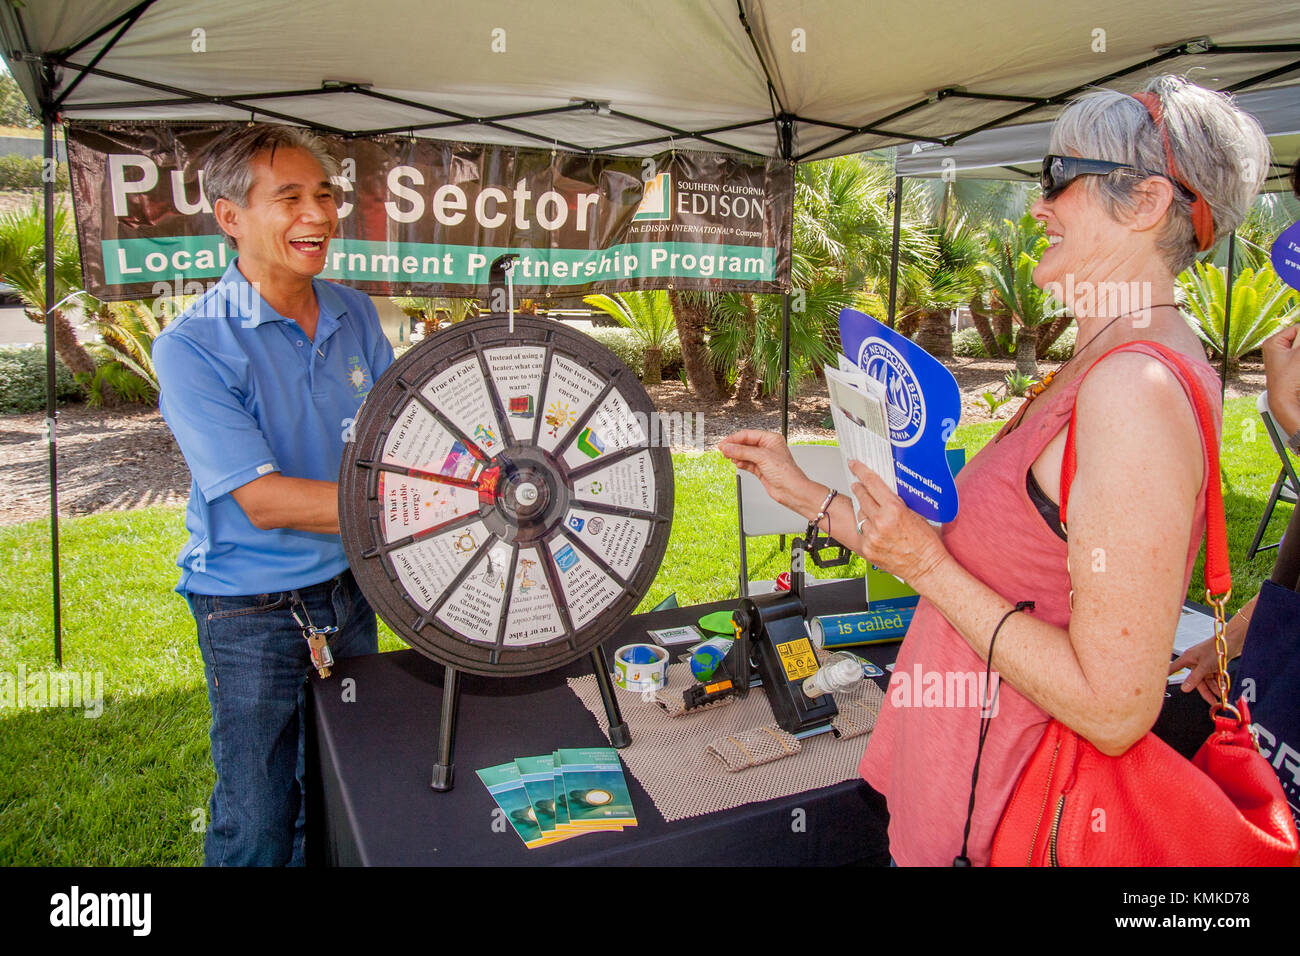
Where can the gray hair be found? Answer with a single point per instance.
(228, 162)
(1220, 151)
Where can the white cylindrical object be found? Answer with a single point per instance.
(840, 672)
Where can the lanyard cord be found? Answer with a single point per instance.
(986, 721)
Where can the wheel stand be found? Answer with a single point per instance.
(444, 767)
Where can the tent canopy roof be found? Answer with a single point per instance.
(632, 77)
(1016, 152)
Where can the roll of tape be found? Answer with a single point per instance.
(640, 667)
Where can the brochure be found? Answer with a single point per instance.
(538, 776)
(884, 375)
(507, 788)
(594, 786)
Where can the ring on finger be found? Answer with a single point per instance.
(861, 522)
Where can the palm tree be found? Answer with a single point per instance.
(127, 331)
(1014, 251)
(930, 291)
(22, 265)
(650, 317)
(843, 228)
(1261, 305)
(692, 316)
(429, 311)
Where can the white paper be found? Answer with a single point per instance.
(1194, 626)
(474, 609)
(461, 394)
(517, 374)
(418, 440)
(413, 505)
(629, 483)
(426, 567)
(611, 427)
(587, 589)
(569, 393)
(859, 410)
(533, 617)
(618, 540)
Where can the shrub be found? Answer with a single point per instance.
(125, 383)
(22, 381)
(1018, 383)
(1063, 347)
(967, 344)
(623, 343)
(24, 172)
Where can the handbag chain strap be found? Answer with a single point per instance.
(1218, 575)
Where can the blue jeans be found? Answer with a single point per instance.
(256, 662)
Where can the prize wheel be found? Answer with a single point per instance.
(501, 504)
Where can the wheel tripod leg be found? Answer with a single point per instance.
(444, 770)
(619, 735)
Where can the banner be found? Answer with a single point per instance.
(426, 217)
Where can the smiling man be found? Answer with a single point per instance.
(261, 379)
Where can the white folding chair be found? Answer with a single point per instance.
(760, 515)
(1287, 486)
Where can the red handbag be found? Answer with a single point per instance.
(1075, 806)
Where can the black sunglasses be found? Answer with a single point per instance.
(1060, 171)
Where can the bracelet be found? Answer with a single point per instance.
(811, 534)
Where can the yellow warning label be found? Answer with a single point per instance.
(798, 659)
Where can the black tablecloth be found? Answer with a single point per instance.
(370, 755)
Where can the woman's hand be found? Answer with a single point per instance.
(766, 456)
(1203, 658)
(1282, 370)
(891, 535)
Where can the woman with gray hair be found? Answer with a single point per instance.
(1134, 187)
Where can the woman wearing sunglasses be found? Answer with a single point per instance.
(1134, 188)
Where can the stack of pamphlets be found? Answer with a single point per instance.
(563, 794)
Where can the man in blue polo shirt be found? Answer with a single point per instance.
(261, 381)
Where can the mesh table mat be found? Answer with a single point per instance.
(668, 754)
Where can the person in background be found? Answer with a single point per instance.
(261, 381)
(1282, 375)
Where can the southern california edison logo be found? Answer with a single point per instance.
(904, 402)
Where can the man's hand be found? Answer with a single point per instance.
(1282, 371)
(303, 504)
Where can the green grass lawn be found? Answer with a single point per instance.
(129, 787)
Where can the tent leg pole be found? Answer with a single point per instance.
(785, 365)
(51, 409)
(893, 252)
(1227, 311)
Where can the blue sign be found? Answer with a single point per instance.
(923, 408)
(1286, 255)
(565, 558)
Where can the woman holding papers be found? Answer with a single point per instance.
(1134, 188)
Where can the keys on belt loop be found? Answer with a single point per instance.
(317, 637)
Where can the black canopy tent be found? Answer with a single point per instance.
(771, 78)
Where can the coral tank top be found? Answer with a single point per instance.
(920, 756)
